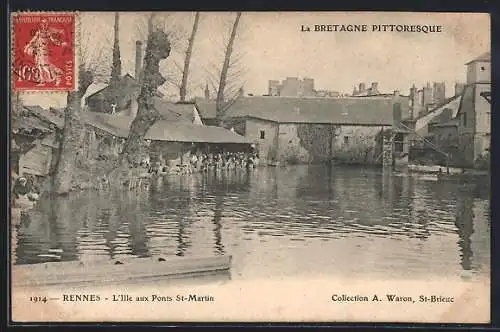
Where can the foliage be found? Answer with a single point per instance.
(318, 140)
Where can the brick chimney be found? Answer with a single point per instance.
(459, 88)
(138, 59)
(427, 99)
(362, 87)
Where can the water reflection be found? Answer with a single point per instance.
(274, 221)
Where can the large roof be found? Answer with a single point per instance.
(450, 123)
(485, 57)
(174, 112)
(355, 111)
(206, 107)
(50, 115)
(124, 87)
(164, 130)
(452, 102)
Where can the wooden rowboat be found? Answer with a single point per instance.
(62, 273)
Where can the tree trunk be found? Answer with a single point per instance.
(157, 49)
(71, 138)
(220, 109)
(187, 60)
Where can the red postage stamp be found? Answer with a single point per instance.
(43, 51)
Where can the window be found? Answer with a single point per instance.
(464, 115)
(482, 68)
(262, 134)
(346, 139)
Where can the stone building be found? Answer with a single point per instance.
(292, 87)
(459, 126)
(363, 91)
(474, 116)
(36, 134)
(312, 130)
(429, 97)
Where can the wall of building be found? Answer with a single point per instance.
(482, 108)
(466, 127)
(315, 143)
(290, 87)
(36, 161)
(357, 144)
(478, 71)
(305, 143)
(439, 92)
(267, 146)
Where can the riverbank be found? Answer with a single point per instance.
(435, 169)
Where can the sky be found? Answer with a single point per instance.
(271, 46)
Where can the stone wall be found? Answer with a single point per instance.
(357, 144)
(268, 145)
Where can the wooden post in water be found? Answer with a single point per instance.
(387, 153)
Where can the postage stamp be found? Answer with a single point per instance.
(43, 51)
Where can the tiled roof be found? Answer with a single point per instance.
(168, 131)
(483, 58)
(164, 130)
(439, 106)
(174, 112)
(451, 123)
(124, 87)
(46, 115)
(28, 123)
(207, 108)
(356, 111)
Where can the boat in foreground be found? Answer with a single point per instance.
(61, 273)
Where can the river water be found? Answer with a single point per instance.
(276, 222)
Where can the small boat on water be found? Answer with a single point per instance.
(273, 163)
(77, 272)
(464, 178)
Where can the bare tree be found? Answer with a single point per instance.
(116, 69)
(72, 136)
(187, 59)
(157, 49)
(227, 92)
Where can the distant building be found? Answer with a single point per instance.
(427, 98)
(459, 88)
(327, 94)
(292, 87)
(363, 91)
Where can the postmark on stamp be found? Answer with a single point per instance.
(43, 51)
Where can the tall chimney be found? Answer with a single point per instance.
(116, 68)
(138, 59)
(459, 88)
(207, 92)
